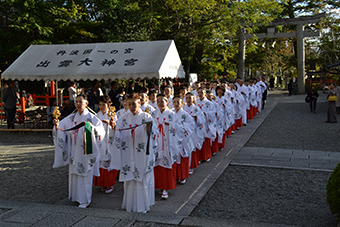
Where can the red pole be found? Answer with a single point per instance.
(46, 100)
(34, 99)
(23, 105)
(52, 88)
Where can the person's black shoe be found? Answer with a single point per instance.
(328, 122)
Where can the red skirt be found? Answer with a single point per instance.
(194, 159)
(206, 150)
(200, 152)
(214, 146)
(106, 178)
(183, 169)
(239, 123)
(249, 114)
(166, 178)
(221, 145)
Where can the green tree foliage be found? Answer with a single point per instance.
(204, 31)
(26, 22)
(120, 20)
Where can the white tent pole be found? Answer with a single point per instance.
(159, 85)
(56, 89)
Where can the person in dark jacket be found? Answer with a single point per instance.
(10, 100)
(271, 82)
(290, 85)
(312, 97)
(119, 98)
(113, 93)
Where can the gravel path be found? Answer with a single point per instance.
(25, 137)
(268, 195)
(291, 125)
(29, 177)
(252, 194)
(278, 196)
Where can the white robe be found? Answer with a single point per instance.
(168, 140)
(210, 118)
(121, 112)
(195, 93)
(243, 90)
(149, 108)
(198, 135)
(227, 107)
(170, 104)
(237, 104)
(69, 149)
(153, 104)
(188, 124)
(219, 121)
(108, 160)
(252, 97)
(136, 166)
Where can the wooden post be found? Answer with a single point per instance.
(300, 58)
(241, 53)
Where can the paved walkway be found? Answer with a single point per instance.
(287, 158)
(105, 209)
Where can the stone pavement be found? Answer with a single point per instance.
(287, 158)
(105, 208)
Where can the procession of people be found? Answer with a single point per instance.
(154, 142)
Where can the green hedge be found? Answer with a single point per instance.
(333, 191)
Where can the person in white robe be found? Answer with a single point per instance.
(214, 86)
(210, 123)
(124, 110)
(153, 99)
(135, 140)
(261, 88)
(257, 96)
(169, 145)
(182, 92)
(144, 103)
(243, 90)
(73, 148)
(168, 95)
(108, 171)
(194, 92)
(236, 99)
(198, 134)
(188, 123)
(218, 123)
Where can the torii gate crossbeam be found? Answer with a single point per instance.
(300, 34)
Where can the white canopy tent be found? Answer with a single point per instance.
(97, 61)
(90, 61)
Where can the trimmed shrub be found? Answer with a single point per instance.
(333, 191)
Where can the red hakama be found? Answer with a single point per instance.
(214, 146)
(249, 115)
(206, 150)
(183, 169)
(106, 178)
(221, 145)
(166, 178)
(194, 159)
